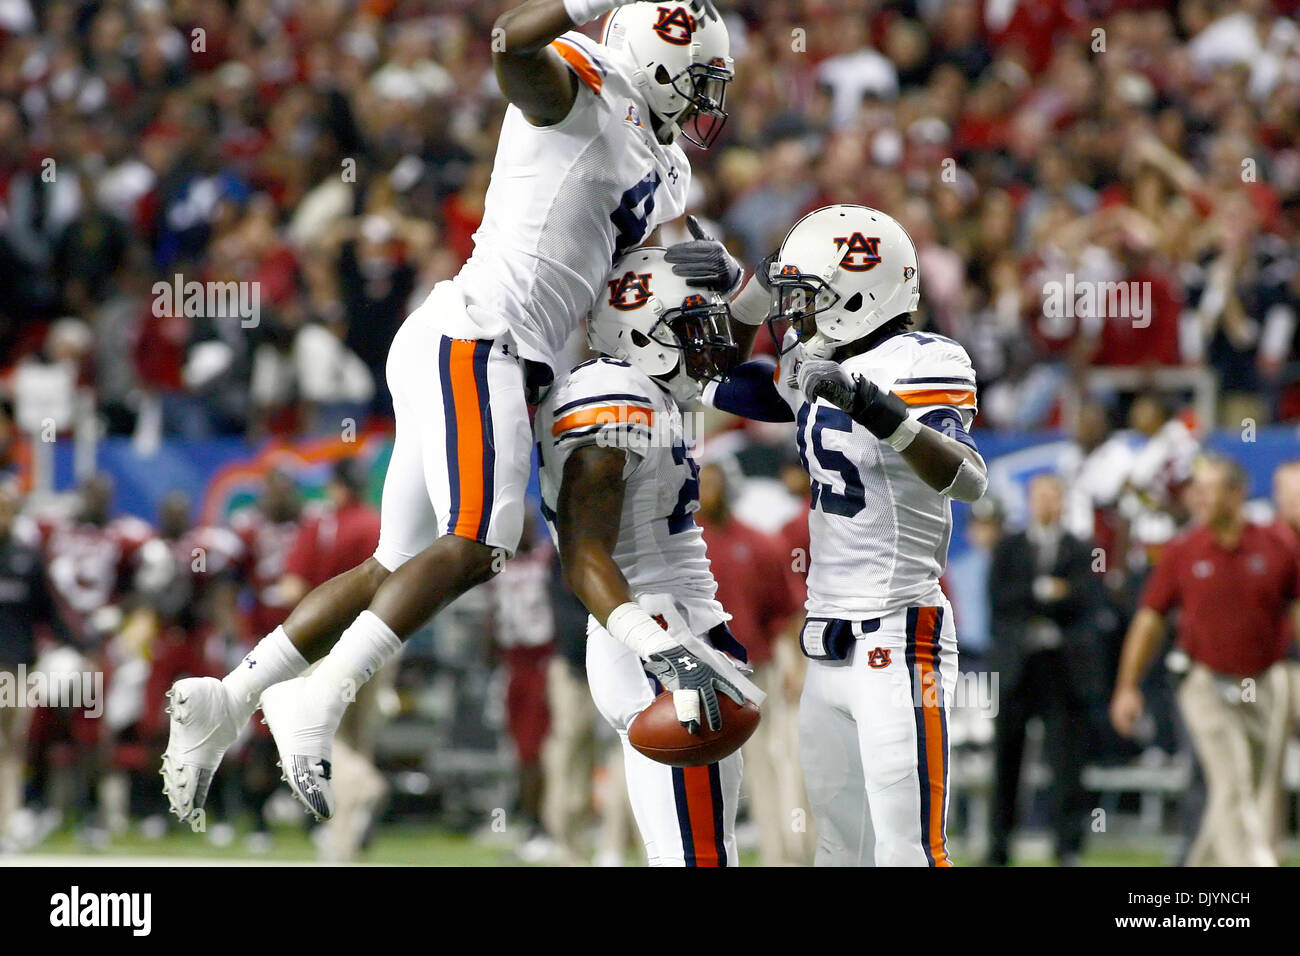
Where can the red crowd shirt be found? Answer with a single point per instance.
(1235, 603)
(332, 542)
(752, 571)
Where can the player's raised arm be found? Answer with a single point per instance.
(942, 462)
(531, 74)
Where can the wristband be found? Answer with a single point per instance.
(752, 305)
(584, 11)
(903, 435)
(629, 624)
(883, 414)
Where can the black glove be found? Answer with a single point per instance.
(878, 411)
(694, 685)
(705, 262)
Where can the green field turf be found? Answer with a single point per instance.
(404, 844)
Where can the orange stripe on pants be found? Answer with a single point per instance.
(699, 805)
(927, 638)
(469, 437)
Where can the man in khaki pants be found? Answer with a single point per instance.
(1235, 583)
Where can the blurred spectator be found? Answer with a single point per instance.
(1045, 650)
(1151, 501)
(26, 605)
(1234, 699)
(967, 580)
(525, 632)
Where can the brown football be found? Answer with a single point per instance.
(658, 734)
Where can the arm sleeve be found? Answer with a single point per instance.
(751, 392)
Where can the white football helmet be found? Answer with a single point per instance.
(654, 321)
(679, 57)
(851, 268)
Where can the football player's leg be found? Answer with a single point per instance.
(475, 444)
(687, 817)
(832, 770)
(206, 714)
(902, 711)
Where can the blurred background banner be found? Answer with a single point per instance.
(225, 474)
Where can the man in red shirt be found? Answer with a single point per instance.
(753, 574)
(330, 539)
(1235, 583)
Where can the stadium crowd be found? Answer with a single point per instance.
(335, 155)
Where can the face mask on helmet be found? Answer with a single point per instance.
(701, 332)
(704, 88)
(797, 299)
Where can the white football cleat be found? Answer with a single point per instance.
(201, 730)
(304, 736)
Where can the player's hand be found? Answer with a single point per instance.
(704, 8)
(705, 262)
(822, 378)
(1126, 710)
(694, 684)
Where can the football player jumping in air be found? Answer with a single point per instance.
(619, 488)
(882, 417)
(587, 167)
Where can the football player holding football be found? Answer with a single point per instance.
(587, 166)
(619, 488)
(883, 416)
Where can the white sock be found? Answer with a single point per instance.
(274, 659)
(364, 647)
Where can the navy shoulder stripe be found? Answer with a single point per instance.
(607, 397)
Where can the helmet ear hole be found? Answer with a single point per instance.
(661, 75)
(640, 339)
(854, 303)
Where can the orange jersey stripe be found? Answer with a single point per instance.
(699, 804)
(605, 415)
(580, 64)
(937, 396)
(469, 437)
(932, 712)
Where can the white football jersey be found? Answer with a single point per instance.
(660, 548)
(879, 534)
(565, 201)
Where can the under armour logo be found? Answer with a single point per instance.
(687, 663)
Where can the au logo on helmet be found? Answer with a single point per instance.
(629, 292)
(675, 25)
(863, 253)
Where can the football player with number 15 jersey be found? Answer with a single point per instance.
(882, 417)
